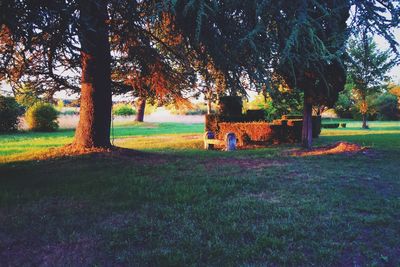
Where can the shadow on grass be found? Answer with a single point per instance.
(128, 207)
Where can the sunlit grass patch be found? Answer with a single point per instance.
(30, 145)
(165, 141)
(22, 144)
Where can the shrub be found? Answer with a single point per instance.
(42, 117)
(255, 131)
(123, 110)
(330, 125)
(10, 111)
(387, 107)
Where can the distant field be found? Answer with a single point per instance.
(170, 203)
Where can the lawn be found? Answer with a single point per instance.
(23, 145)
(169, 203)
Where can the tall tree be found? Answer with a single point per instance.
(58, 45)
(312, 38)
(95, 103)
(367, 69)
(46, 39)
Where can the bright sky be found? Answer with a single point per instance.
(382, 44)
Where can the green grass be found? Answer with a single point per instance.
(175, 204)
(28, 142)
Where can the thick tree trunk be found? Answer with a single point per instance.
(95, 103)
(306, 134)
(140, 106)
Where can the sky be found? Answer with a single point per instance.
(382, 44)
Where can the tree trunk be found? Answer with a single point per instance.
(141, 105)
(209, 108)
(95, 102)
(364, 121)
(364, 113)
(306, 134)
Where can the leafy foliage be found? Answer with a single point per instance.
(367, 69)
(282, 101)
(345, 104)
(42, 117)
(395, 90)
(122, 109)
(26, 96)
(9, 114)
(387, 107)
(368, 66)
(311, 50)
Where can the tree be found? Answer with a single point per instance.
(395, 90)
(312, 37)
(43, 37)
(58, 44)
(153, 65)
(300, 42)
(386, 106)
(367, 69)
(95, 107)
(247, 41)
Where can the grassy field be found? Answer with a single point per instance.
(169, 203)
(22, 145)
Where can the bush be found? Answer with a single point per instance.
(123, 110)
(9, 114)
(42, 117)
(387, 107)
(330, 125)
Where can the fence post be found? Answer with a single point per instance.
(208, 135)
